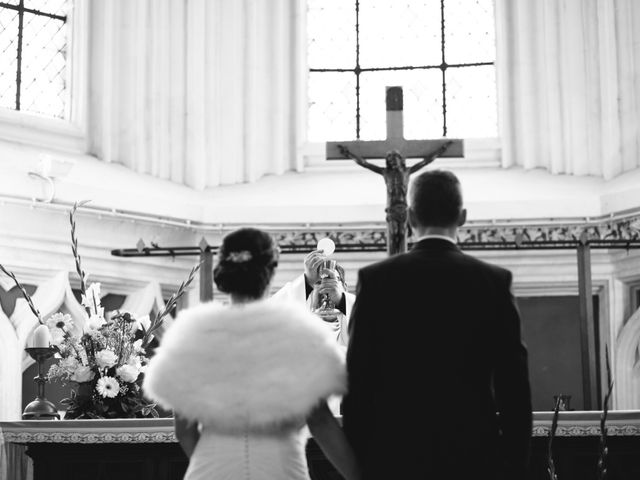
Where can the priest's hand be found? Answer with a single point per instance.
(311, 264)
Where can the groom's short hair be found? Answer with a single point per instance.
(436, 198)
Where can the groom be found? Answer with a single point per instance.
(438, 376)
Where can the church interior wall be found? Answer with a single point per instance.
(491, 193)
(42, 248)
(239, 165)
(551, 331)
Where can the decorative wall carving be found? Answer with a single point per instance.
(554, 234)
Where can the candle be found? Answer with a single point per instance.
(41, 337)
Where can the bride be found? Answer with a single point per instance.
(244, 380)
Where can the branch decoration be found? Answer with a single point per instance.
(74, 245)
(156, 323)
(551, 467)
(26, 295)
(604, 449)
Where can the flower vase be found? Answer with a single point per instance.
(81, 401)
(84, 391)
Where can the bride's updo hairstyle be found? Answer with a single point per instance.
(246, 262)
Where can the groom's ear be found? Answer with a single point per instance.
(462, 217)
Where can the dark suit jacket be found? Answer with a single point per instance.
(438, 376)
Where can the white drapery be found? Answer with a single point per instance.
(569, 85)
(199, 92)
(626, 367)
(208, 92)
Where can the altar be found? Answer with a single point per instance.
(147, 449)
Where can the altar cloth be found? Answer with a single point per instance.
(160, 430)
(153, 430)
(587, 423)
(16, 437)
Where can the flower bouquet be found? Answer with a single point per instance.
(106, 361)
(104, 356)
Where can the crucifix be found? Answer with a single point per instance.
(395, 149)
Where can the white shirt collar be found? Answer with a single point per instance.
(441, 237)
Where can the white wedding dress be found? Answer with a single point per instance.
(278, 455)
(249, 375)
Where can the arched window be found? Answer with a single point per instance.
(33, 56)
(442, 52)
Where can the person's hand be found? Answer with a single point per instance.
(311, 264)
(330, 285)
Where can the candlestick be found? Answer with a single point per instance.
(40, 408)
(41, 337)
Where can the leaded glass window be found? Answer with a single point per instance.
(33, 56)
(442, 52)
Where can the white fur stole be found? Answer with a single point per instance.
(249, 366)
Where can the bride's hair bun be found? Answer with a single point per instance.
(246, 262)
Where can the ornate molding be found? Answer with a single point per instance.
(606, 232)
(160, 430)
(89, 437)
(587, 423)
(587, 430)
(89, 431)
(621, 229)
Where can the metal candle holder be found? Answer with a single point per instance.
(565, 402)
(40, 408)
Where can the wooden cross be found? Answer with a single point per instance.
(395, 149)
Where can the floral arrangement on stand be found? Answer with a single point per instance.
(104, 361)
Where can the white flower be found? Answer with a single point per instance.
(57, 337)
(106, 358)
(69, 364)
(134, 361)
(137, 347)
(143, 322)
(94, 322)
(127, 373)
(58, 324)
(82, 374)
(108, 387)
(60, 321)
(91, 299)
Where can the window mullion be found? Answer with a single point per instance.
(19, 53)
(451, 87)
(443, 67)
(357, 69)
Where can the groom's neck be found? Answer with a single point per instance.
(450, 232)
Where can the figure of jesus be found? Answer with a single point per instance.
(396, 176)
